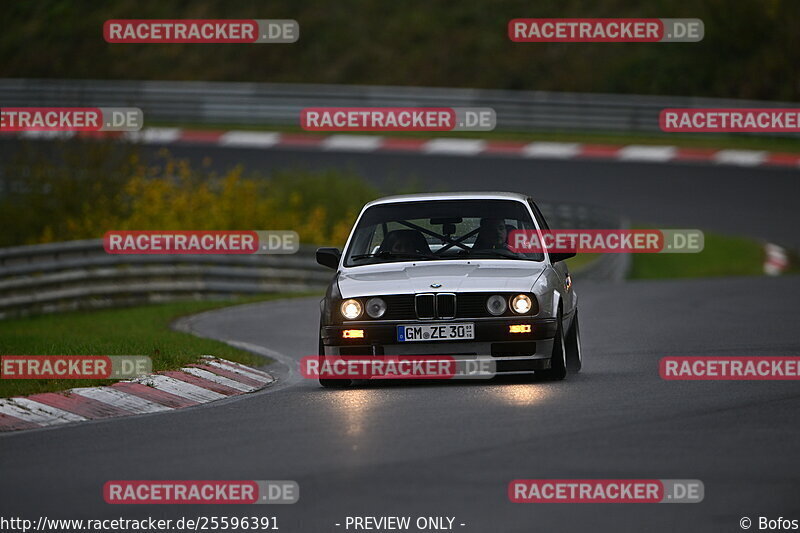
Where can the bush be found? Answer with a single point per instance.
(80, 190)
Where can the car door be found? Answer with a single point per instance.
(560, 268)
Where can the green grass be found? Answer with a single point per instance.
(722, 255)
(140, 330)
(580, 261)
(696, 140)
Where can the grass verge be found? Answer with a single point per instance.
(142, 330)
(581, 261)
(722, 255)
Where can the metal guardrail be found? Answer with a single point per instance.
(278, 103)
(72, 275)
(63, 276)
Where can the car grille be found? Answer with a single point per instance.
(438, 305)
(425, 305)
(399, 307)
(472, 305)
(446, 305)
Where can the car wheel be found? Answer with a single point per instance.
(573, 346)
(331, 383)
(558, 359)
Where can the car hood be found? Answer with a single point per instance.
(467, 276)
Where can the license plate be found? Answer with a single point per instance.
(436, 332)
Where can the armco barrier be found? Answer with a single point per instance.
(64, 276)
(80, 274)
(278, 104)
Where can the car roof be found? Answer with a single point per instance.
(476, 195)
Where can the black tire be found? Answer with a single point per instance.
(558, 363)
(331, 383)
(573, 346)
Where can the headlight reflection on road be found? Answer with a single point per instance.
(520, 395)
(352, 406)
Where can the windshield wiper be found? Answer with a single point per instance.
(394, 255)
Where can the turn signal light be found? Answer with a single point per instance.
(353, 334)
(519, 328)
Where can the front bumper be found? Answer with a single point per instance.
(513, 352)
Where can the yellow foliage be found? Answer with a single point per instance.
(320, 207)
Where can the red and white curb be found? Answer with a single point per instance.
(447, 146)
(211, 379)
(776, 260)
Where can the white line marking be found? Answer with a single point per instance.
(226, 363)
(745, 158)
(47, 134)
(636, 152)
(56, 415)
(154, 135)
(181, 388)
(216, 378)
(242, 370)
(38, 418)
(257, 139)
(120, 399)
(10, 409)
(454, 146)
(355, 143)
(775, 250)
(776, 261)
(548, 149)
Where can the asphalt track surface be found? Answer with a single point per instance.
(760, 202)
(451, 449)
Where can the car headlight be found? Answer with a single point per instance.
(521, 304)
(351, 309)
(376, 307)
(496, 305)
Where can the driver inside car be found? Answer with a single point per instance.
(405, 241)
(492, 235)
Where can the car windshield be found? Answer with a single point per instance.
(437, 230)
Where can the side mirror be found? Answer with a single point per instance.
(556, 257)
(329, 257)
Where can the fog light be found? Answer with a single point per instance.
(353, 334)
(519, 328)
